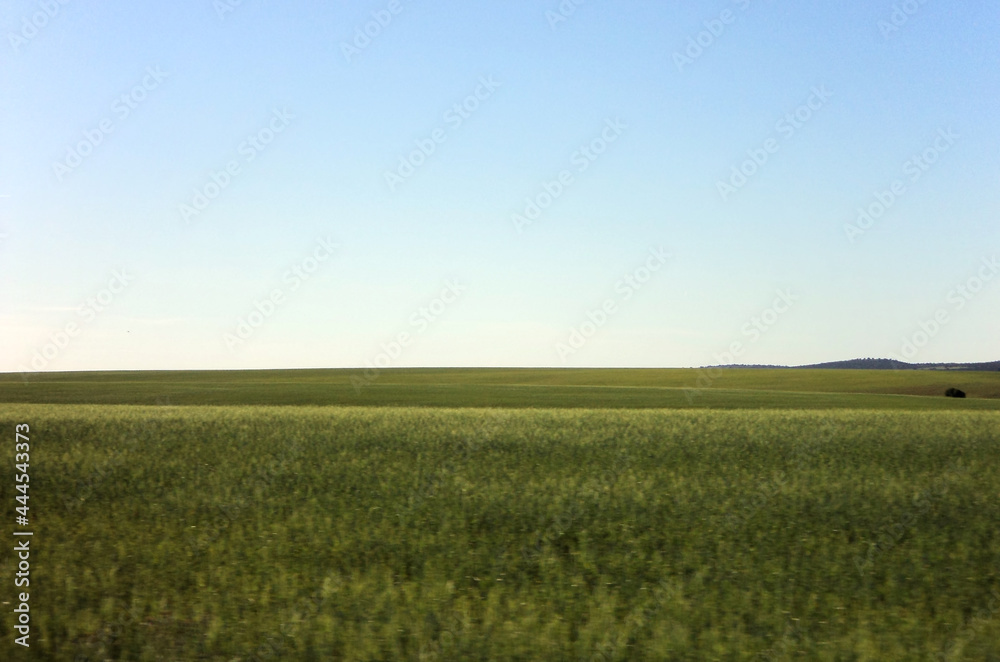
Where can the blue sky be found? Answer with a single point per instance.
(107, 262)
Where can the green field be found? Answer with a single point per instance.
(583, 388)
(541, 515)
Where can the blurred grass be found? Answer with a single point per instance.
(318, 533)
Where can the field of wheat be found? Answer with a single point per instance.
(318, 533)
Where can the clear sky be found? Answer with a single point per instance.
(253, 184)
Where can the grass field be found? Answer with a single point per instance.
(865, 529)
(582, 388)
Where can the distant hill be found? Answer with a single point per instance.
(883, 364)
(864, 364)
(892, 364)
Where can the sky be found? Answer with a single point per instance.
(224, 184)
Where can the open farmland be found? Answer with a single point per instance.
(384, 533)
(341, 331)
(712, 388)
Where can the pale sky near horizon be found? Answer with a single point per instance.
(503, 183)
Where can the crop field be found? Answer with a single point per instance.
(710, 388)
(481, 532)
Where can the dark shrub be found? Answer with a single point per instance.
(954, 393)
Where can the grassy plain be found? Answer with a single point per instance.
(581, 388)
(509, 515)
